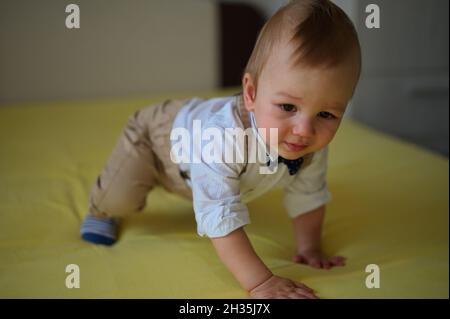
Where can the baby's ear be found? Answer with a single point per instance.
(249, 92)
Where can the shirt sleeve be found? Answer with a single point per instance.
(308, 190)
(216, 198)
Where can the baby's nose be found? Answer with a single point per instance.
(304, 129)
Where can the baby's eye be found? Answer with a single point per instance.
(288, 107)
(326, 115)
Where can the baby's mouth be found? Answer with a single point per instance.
(294, 147)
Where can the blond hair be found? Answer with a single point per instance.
(322, 35)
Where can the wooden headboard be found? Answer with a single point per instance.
(239, 28)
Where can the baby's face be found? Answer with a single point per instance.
(305, 104)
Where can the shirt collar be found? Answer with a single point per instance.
(270, 157)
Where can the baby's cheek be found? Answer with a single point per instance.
(275, 135)
(326, 135)
(284, 130)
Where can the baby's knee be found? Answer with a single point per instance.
(119, 205)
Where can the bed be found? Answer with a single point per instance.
(389, 208)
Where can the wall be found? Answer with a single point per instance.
(404, 85)
(134, 47)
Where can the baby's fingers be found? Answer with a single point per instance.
(302, 294)
(311, 261)
(337, 261)
(314, 262)
(327, 264)
(300, 259)
(303, 286)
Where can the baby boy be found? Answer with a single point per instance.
(295, 89)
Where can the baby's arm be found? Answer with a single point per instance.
(308, 231)
(237, 253)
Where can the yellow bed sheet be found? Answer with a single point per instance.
(389, 208)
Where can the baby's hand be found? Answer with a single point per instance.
(281, 288)
(316, 259)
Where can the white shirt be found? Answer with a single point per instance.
(222, 190)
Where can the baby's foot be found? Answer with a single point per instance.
(101, 231)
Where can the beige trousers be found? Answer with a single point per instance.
(139, 162)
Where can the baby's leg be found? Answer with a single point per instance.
(123, 184)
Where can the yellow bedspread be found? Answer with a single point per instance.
(389, 208)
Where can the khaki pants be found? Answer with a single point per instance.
(139, 162)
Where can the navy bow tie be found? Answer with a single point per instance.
(292, 165)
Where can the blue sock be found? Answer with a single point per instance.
(99, 230)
